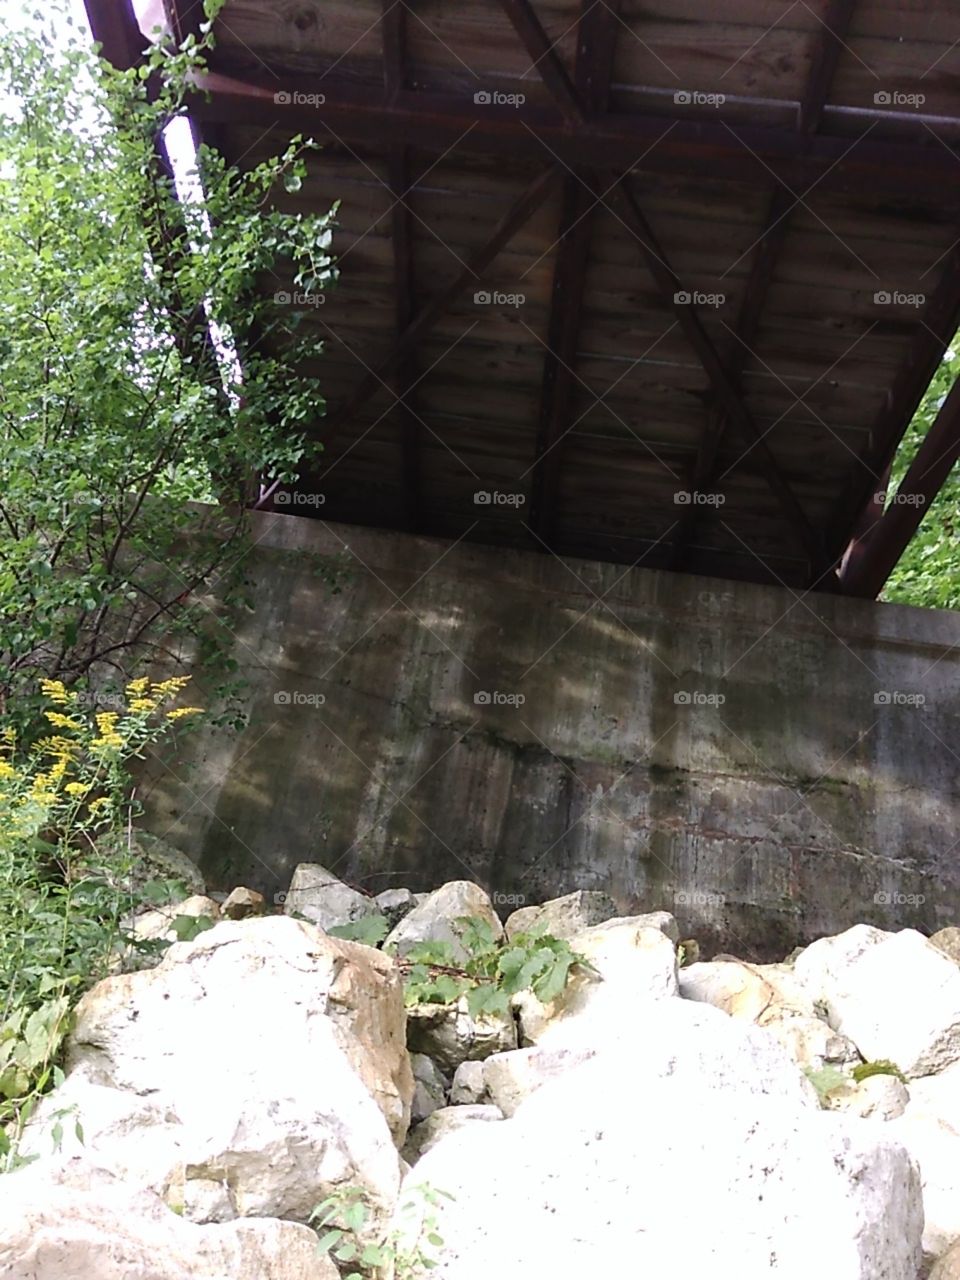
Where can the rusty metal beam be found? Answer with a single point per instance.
(871, 562)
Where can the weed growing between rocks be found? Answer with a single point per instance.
(493, 972)
(405, 1252)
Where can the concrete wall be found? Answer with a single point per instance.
(718, 749)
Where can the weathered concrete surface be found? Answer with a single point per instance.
(798, 806)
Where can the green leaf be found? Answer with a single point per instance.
(370, 930)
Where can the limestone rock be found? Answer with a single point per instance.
(468, 1084)
(773, 997)
(509, 1078)
(698, 1169)
(434, 919)
(450, 1035)
(948, 1267)
(319, 896)
(394, 904)
(441, 1124)
(563, 917)
(930, 1130)
(630, 963)
(430, 1089)
(242, 902)
(152, 859)
(73, 1222)
(876, 1098)
(157, 925)
(273, 1059)
(895, 995)
(948, 941)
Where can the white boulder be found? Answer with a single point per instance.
(441, 1124)
(434, 919)
(895, 995)
(563, 917)
(451, 1035)
(319, 896)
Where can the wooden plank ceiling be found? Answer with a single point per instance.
(597, 256)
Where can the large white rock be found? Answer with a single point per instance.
(434, 919)
(319, 896)
(893, 994)
(631, 964)
(272, 1060)
(75, 1222)
(773, 997)
(930, 1130)
(509, 1078)
(609, 1171)
(563, 917)
(440, 1124)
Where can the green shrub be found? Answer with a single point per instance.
(68, 887)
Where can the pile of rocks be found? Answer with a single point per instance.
(653, 1115)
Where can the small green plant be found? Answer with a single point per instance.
(881, 1067)
(370, 930)
(493, 971)
(402, 1252)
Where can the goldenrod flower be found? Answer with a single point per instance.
(179, 712)
(143, 704)
(60, 721)
(7, 770)
(77, 788)
(137, 687)
(55, 691)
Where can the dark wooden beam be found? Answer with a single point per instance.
(669, 284)
(940, 322)
(545, 57)
(559, 380)
(114, 26)
(869, 565)
(519, 212)
(829, 44)
(921, 169)
(394, 39)
(596, 39)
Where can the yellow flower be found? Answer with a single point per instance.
(55, 691)
(137, 687)
(101, 802)
(7, 770)
(143, 704)
(106, 721)
(77, 788)
(180, 712)
(167, 687)
(60, 721)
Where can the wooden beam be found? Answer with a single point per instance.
(939, 324)
(114, 26)
(596, 39)
(394, 37)
(545, 57)
(723, 385)
(519, 212)
(870, 564)
(829, 44)
(921, 169)
(559, 381)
